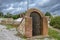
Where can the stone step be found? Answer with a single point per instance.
(41, 38)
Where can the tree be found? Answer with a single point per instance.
(55, 22)
(1, 14)
(16, 16)
(47, 14)
(8, 15)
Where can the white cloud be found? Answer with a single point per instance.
(44, 5)
(10, 8)
(42, 2)
(32, 5)
(23, 3)
(20, 3)
(12, 5)
(19, 9)
(54, 6)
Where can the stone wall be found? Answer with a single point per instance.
(21, 28)
(9, 21)
(26, 27)
(6, 21)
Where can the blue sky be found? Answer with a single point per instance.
(17, 6)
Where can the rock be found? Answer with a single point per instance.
(8, 34)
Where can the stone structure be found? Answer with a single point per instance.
(7, 21)
(33, 24)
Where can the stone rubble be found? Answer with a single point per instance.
(6, 34)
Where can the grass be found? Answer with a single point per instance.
(54, 34)
(9, 26)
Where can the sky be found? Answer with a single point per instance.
(18, 6)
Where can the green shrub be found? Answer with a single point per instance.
(47, 14)
(55, 22)
(16, 16)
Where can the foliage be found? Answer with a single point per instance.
(47, 14)
(54, 34)
(24, 12)
(55, 22)
(8, 15)
(16, 16)
(1, 14)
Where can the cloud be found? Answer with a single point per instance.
(43, 2)
(55, 8)
(16, 6)
(32, 5)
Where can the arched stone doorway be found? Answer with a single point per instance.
(36, 23)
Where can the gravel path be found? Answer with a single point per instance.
(8, 34)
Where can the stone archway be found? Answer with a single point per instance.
(32, 15)
(34, 23)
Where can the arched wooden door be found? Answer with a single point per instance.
(35, 23)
